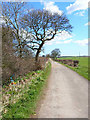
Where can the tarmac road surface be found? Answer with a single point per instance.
(66, 95)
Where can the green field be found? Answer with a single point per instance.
(82, 68)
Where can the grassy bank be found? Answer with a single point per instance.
(82, 68)
(26, 105)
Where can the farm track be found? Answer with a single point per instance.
(66, 95)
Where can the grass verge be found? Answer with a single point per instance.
(26, 105)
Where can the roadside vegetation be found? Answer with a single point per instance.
(23, 70)
(83, 69)
(30, 94)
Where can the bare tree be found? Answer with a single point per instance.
(43, 26)
(11, 12)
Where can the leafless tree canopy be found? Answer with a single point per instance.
(33, 28)
(43, 26)
(11, 12)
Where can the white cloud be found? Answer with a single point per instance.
(80, 13)
(82, 42)
(64, 42)
(53, 42)
(66, 38)
(60, 39)
(63, 36)
(77, 5)
(68, 41)
(87, 24)
(50, 6)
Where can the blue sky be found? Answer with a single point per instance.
(77, 13)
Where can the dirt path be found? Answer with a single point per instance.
(66, 95)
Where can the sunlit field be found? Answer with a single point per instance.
(83, 67)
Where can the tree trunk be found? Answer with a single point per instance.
(20, 52)
(20, 48)
(38, 51)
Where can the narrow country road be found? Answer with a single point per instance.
(66, 95)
